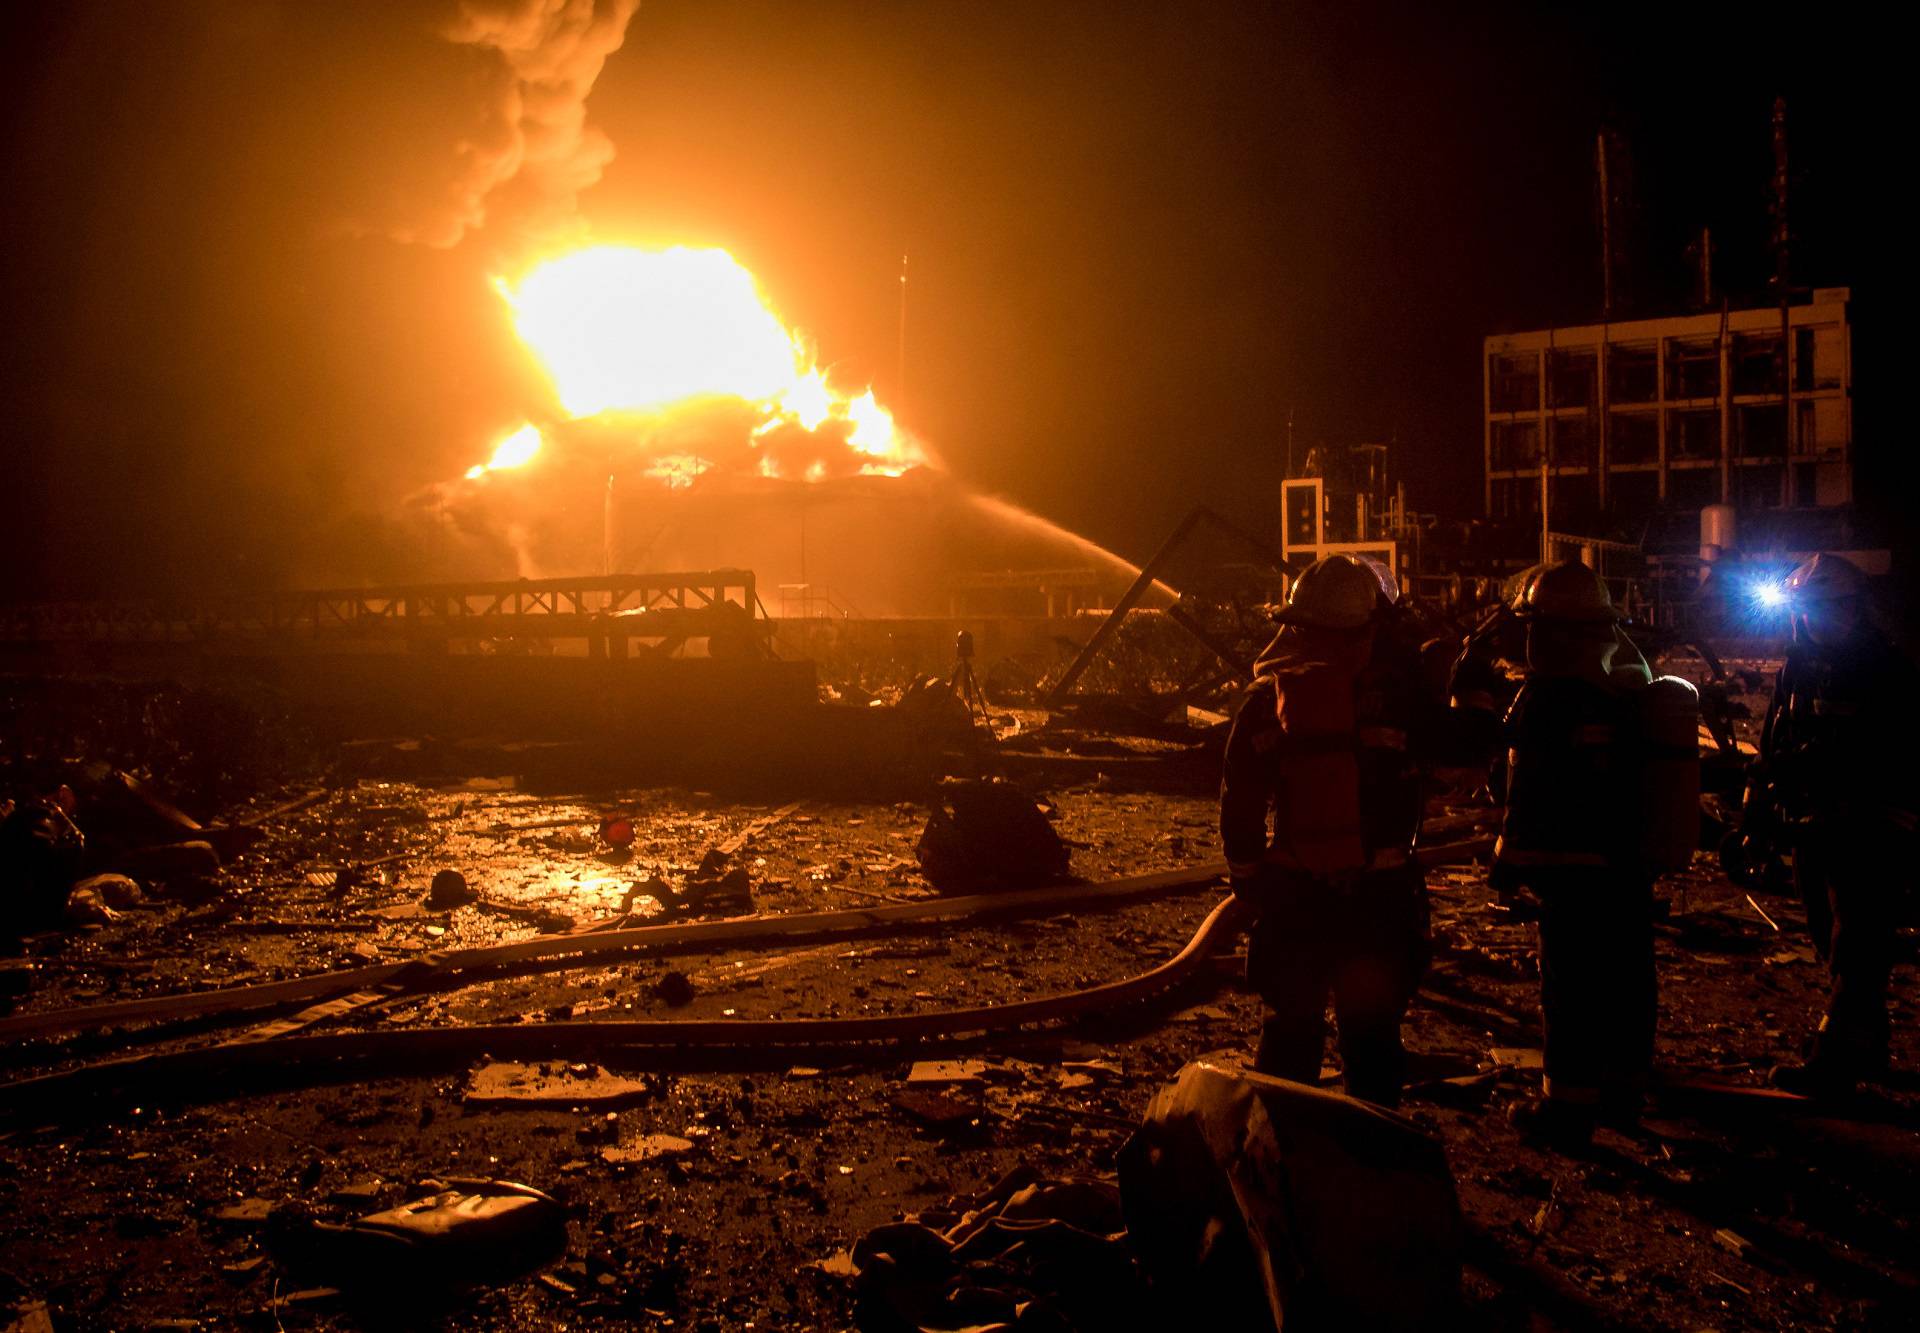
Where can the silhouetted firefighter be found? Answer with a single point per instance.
(1602, 795)
(1837, 755)
(1331, 740)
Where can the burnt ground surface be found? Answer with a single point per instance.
(717, 1198)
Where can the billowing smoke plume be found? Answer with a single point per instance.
(533, 145)
(202, 278)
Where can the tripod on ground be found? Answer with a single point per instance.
(962, 685)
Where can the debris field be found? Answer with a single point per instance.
(729, 1186)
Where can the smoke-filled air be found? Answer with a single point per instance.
(532, 142)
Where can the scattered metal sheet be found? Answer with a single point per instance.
(551, 1083)
(646, 1149)
(934, 1073)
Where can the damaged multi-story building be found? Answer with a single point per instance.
(1608, 423)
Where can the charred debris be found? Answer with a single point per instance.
(606, 951)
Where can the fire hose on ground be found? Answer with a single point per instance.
(578, 947)
(317, 1057)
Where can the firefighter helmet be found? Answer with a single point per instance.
(1337, 592)
(1825, 578)
(1389, 585)
(1567, 591)
(1514, 591)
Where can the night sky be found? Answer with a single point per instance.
(1140, 236)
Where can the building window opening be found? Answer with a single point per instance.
(1573, 441)
(1576, 502)
(1756, 364)
(1634, 438)
(1817, 354)
(1516, 499)
(1575, 377)
(1763, 431)
(1514, 383)
(1633, 372)
(1693, 435)
(1515, 445)
(1691, 488)
(1760, 487)
(1820, 427)
(1693, 368)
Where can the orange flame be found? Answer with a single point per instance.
(678, 471)
(516, 450)
(626, 330)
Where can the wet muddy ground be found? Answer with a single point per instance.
(719, 1197)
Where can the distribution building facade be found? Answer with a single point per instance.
(1676, 413)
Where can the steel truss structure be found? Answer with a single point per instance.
(610, 612)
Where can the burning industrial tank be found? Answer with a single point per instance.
(694, 430)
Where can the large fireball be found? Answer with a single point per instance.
(516, 450)
(631, 330)
(621, 330)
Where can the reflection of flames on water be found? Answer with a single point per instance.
(672, 358)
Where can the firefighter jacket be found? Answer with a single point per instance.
(1573, 779)
(1483, 679)
(1840, 737)
(1285, 785)
(1491, 659)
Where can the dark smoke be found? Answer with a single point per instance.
(220, 346)
(531, 144)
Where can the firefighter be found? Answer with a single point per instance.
(1327, 744)
(1571, 835)
(1837, 747)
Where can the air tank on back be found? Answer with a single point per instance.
(1670, 781)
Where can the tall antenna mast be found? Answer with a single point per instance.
(1606, 229)
(1783, 289)
(900, 371)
